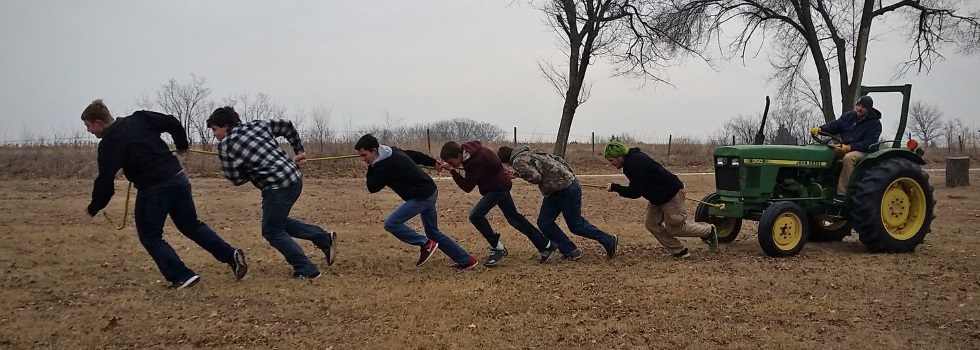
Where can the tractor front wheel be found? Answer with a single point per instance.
(783, 229)
(893, 206)
(728, 227)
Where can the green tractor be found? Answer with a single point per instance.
(790, 191)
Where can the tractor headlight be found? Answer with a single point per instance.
(720, 161)
(735, 162)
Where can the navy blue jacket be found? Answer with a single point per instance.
(133, 144)
(859, 133)
(648, 179)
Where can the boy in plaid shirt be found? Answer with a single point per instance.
(249, 152)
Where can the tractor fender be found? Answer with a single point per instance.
(878, 156)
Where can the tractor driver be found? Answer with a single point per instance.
(858, 130)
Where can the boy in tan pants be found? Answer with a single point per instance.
(666, 216)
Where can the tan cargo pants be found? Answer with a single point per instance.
(850, 159)
(668, 221)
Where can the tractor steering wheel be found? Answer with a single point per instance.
(826, 139)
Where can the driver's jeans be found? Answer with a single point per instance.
(850, 159)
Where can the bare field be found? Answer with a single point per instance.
(70, 282)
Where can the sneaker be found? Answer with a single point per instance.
(469, 265)
(575, 255)
(712, 239)
(238, 265)
(426, 252)
(684, 254)
(495, 256)
(546, 253)
(312, 276)
(331, 252)
(190, 282)
(611, 250)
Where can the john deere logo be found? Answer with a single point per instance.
(785, 162)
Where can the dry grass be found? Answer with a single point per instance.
(72, 283)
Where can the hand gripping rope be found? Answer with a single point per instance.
(129, 191)
(720, 206)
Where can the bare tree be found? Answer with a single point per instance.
(743, 127)
(320, 130)
(925, 122)
(832, 34)
(462, 129)
(258, 107)
(632, 34)
(189, 103)
(796, 118)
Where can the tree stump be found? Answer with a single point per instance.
(957, 171)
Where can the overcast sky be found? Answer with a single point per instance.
(419, 60)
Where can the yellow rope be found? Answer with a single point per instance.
(720, 206)
(122, 224)
(332, 158)
(308, 160)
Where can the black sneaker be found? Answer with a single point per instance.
(426, 252)
(495, 256)
(190, 282)
(684, 254)
(546, 253)
(238, 265)
(311, 276)
(611, 250)
(839, 199)
(575, 255)
(331, 252)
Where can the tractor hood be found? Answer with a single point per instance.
(806, 156)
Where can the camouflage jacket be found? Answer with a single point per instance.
(546, 170)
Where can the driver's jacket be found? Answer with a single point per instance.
(859, 133)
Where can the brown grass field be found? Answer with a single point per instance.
(70, 282)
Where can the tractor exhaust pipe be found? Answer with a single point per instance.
(760, 137)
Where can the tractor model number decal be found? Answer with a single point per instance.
(785, 162)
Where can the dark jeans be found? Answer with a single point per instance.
(426, 209)
(568, 202)
(278, 228)
(173, 196)
(504, 201)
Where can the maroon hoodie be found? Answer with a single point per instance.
(481, 169)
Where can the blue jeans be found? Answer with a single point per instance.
(426, 208)
(568, 202)
(503, 200)
(173, 196)
(278, 228)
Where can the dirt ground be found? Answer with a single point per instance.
(70, 282)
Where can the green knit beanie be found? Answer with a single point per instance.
(615, 149)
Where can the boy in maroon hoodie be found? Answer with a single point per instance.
(481, 168)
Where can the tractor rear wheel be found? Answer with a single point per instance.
(827, 229)
(893, 206)
(728, 227)
(783, 229)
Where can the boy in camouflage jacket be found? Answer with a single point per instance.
(562, 195)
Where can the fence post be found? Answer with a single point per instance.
(593, 143)
(733, 140)
(428, 139)
(670, 141)
(961, 143)
(515, 136)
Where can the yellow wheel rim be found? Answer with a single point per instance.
(903, 208)
(787, 231)
(725, 226)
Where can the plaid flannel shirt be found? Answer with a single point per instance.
(250, 153)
